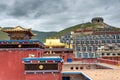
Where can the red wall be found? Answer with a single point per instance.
(46, 76)
(112, 58)
(108, 61)
(11, 66)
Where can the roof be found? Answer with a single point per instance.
(21, 41)
(53, 42)
(103, 74)
(71, 72)
(43, 59)
(80, 73)
(59, 49)
(19, 29)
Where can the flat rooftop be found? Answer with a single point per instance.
(103, 74)
(98, 74)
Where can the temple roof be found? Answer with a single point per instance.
(19, 29)
(20, 41)
(43, 59)
(53, 42)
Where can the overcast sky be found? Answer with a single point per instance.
(56, 15)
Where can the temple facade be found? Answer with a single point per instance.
(43, 68)
(34, 59)
(55, 48)
(12, 51)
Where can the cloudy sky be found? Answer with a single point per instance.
(55, 15)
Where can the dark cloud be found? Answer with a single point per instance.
(23, 8)
(55, 15)
(36, 8)
(3, 7)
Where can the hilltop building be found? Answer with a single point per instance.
(97, 20)
(86, 42)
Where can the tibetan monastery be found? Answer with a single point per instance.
(21, 58)
(55, 48)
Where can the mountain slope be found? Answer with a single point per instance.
(87, 25)
(79, 26)
(43, 35)
(3, 36)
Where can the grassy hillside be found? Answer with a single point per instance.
(3, 36)
(79, 26)
(43, 35)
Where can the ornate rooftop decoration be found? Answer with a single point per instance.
(53, 42)
(19, 33)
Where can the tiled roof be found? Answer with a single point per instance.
(20, 41)
(43, 59)
(18, 28)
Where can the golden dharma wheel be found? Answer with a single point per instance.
(41, 66)
(19, 46)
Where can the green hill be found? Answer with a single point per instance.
(88, 25)
(43, 35)
(3, 36)
(79, 26)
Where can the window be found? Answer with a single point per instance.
(113, 36)
(71, 68)
(103, 54)
(84, 48)
(95, 48)
(108, 41)
(79, 54)
(82, 42)
(77, 42)
(77, 68)
(92, 42)
(108, 53)
(113, 41)
(81, 67)
(91, 55)
(103, 41)
(118, 53)
(87, 42)
(96, 42)
(78, 48)
(113, 54)
(117, 36)
(118, 41)
(85, 55)
(89, 49)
